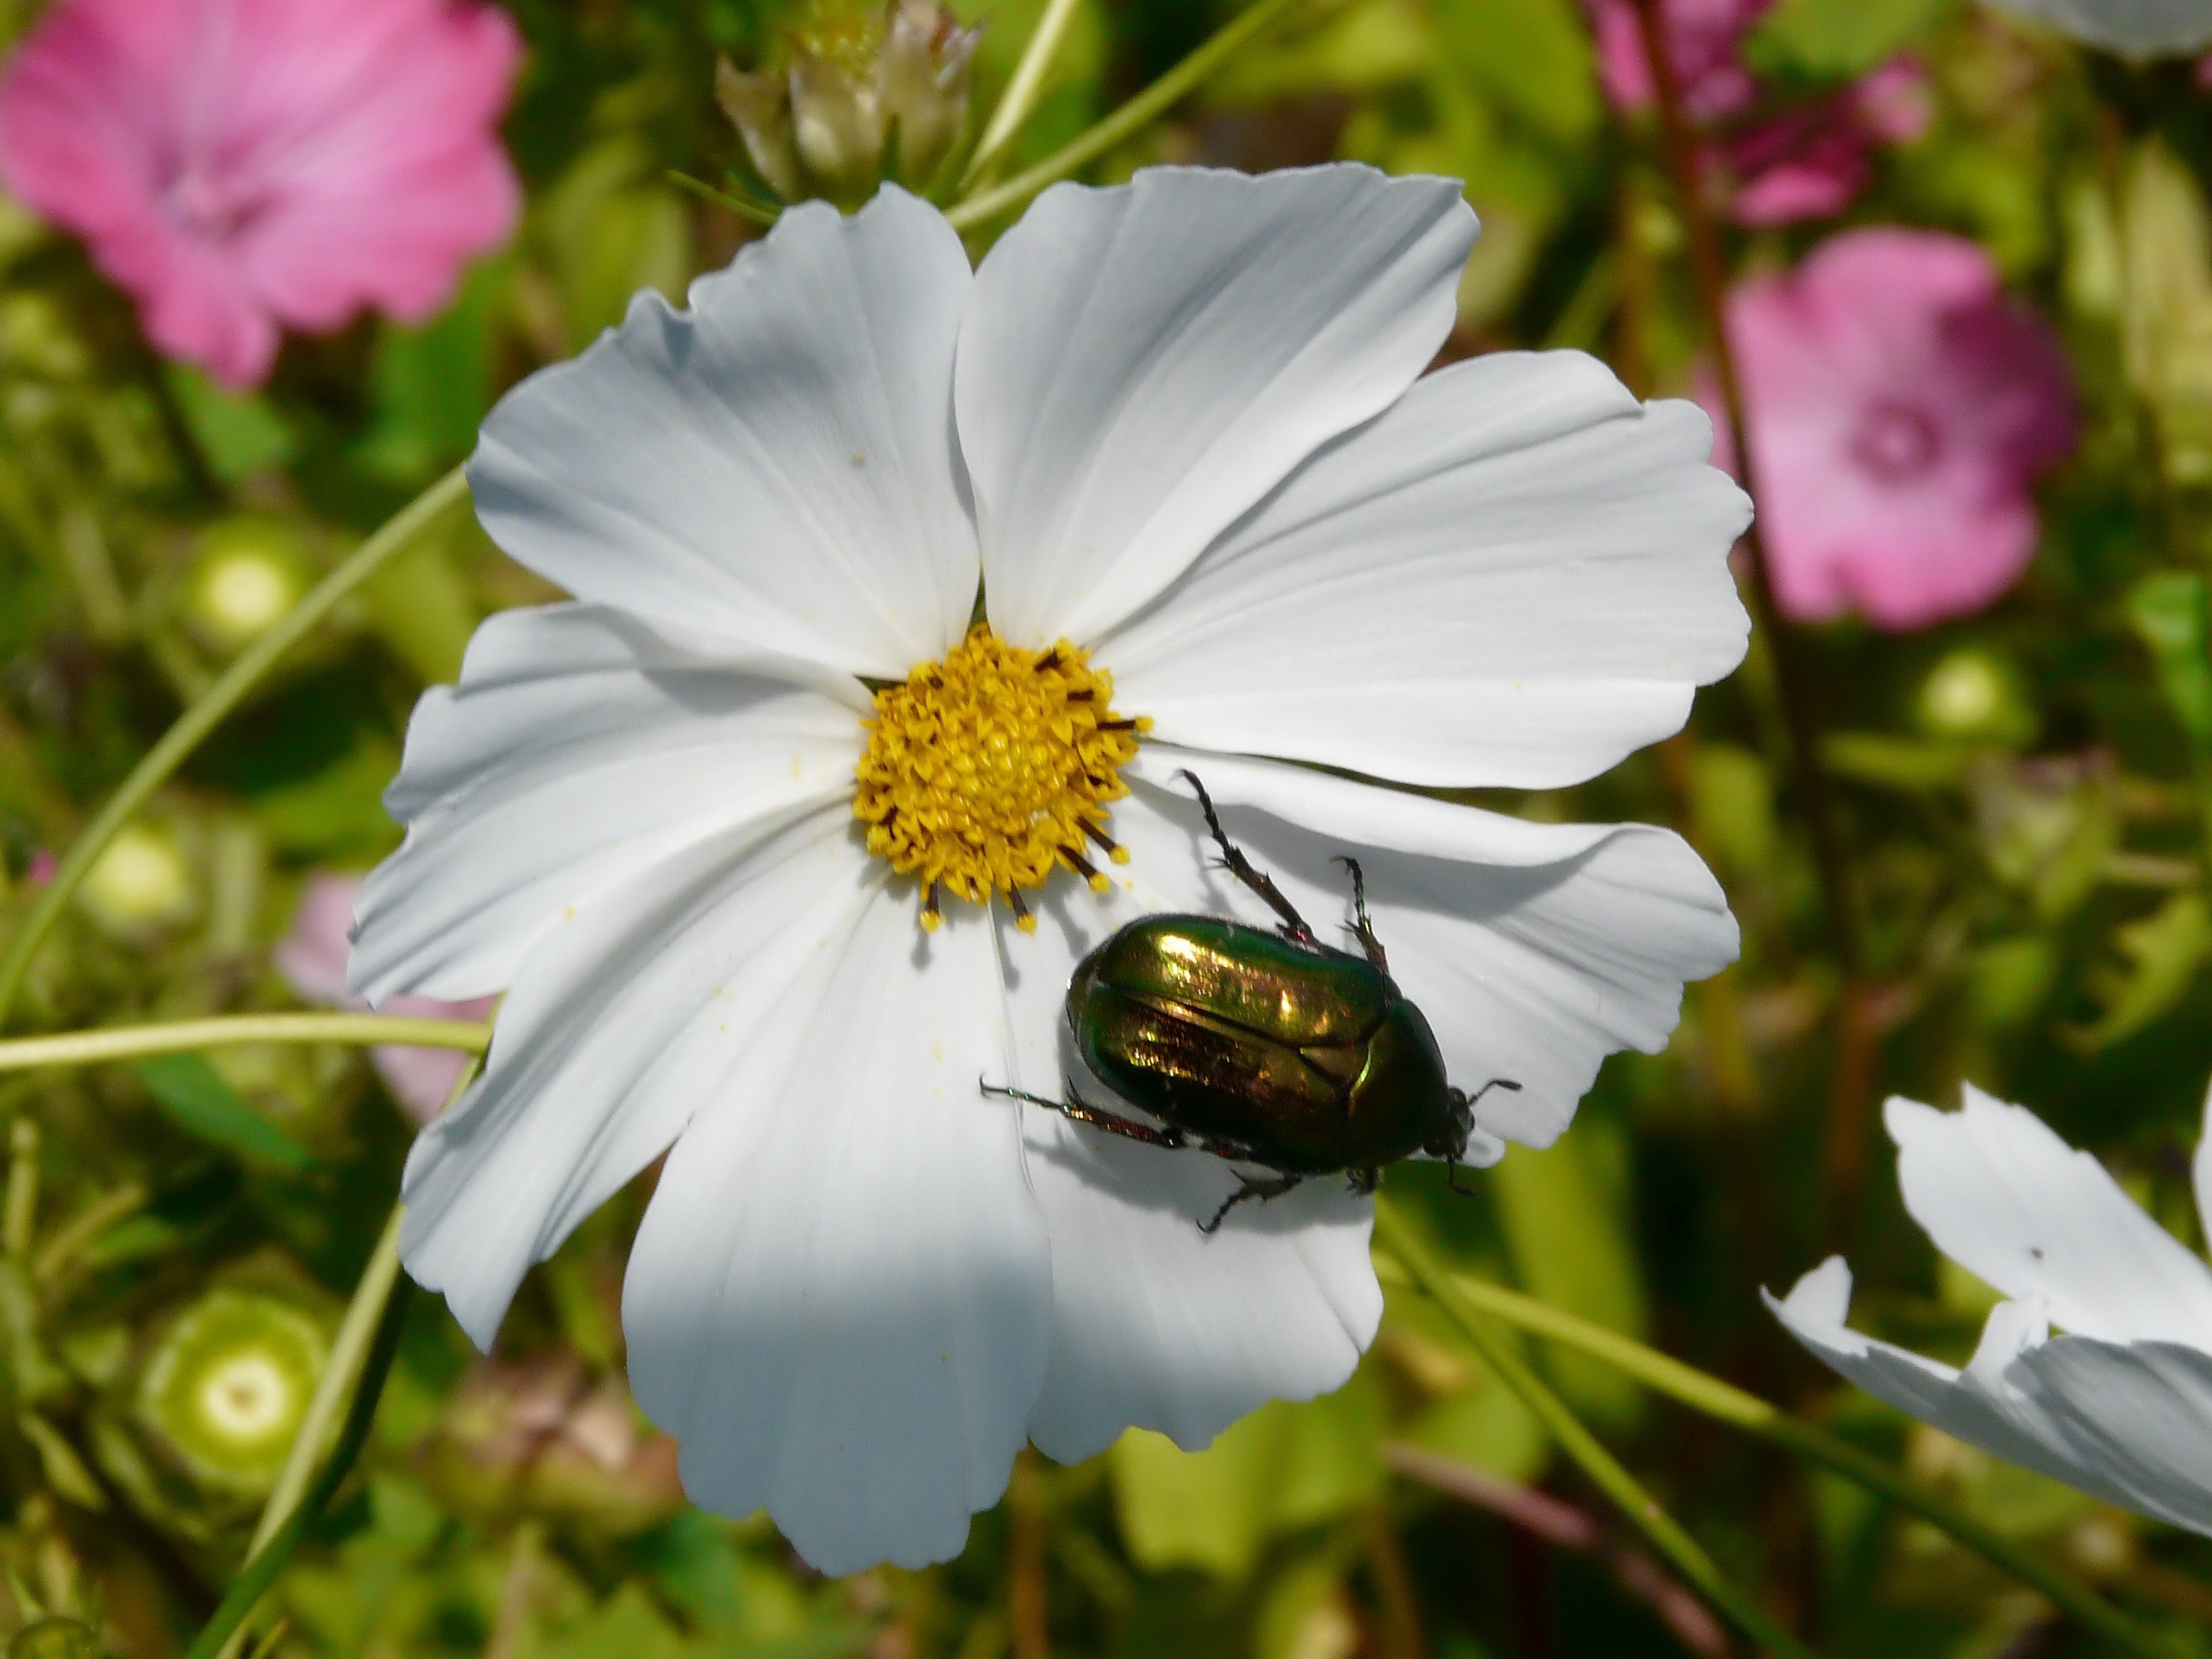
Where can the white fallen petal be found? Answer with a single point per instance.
(2133, 29)
(2007, 1199)
(2112, 1406)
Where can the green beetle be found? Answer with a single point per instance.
(1266, 1048)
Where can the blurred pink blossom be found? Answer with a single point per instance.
(313, 959)
(242, 165)
(1900, 408)
(1777, 164)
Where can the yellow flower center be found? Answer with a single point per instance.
(987, 771)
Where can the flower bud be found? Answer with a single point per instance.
(861, 94)
(228, 1385)
(141, 884)
(246, 576)
(1972, 694)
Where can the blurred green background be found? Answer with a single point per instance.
(2022, 798)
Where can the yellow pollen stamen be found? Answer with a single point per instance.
(987, 770)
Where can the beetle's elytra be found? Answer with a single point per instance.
(1261, 1047)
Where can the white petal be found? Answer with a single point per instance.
(2007, 1199)
(1139, 365)
(1514, 576)
(2134, 1419)
(2134, 28)
(1535, 949)
(1981, 1406)
(2200, 1171)
(627, 1019)
(2122, 1422)
(840, 1300)
(1154, 1323)
(580, 746)
(776, 464)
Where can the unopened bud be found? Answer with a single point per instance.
(246, 576)
(861, 95)
(1973, 694)
(140, 883)
(228, 1386)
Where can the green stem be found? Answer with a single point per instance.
(1023, 91)
(1731, 1405)
(173, 1036)
(1665, 1534)
(400, 532)
(364, 1322)
(261, 1571)
(355, 1333)
(1125, 122)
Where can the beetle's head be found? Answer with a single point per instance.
(1460, 1114)
(1461, 1109)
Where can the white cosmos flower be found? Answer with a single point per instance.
(1178, 432)
(2121, 1406)
(2133, 29)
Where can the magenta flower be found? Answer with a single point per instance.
(1773, 165)
(1901, 409)
(244, 166)
(312, 957)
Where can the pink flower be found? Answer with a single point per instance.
(312, 960)
(1773, 166)
(243, 165)
(1901, 409)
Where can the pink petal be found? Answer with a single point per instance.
(234, 164)
(1901, 409)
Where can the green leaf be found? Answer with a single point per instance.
(1283, 1467)
(338, 813)
(2168, 611)
(1837, 39)
(204, 1106)
(1564, 1214)
(430, 387)
(626, 1624)
(1531, 60)
(2163, 952)
(239, 433)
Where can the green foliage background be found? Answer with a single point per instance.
(2024, 800)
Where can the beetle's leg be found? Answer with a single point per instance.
(1083, 1112)
(1248, 1188)
(1451, 1178)
(1294, 924)
(1364, 1178)
(1362, 929)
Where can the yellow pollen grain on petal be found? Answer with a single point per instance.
(989, 769)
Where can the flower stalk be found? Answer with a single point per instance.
(1023, 92)
(1665, 1534)
(1726, 1403)
(1855, 1034)
(424, 514)
(228, 1031)
(1124, 123)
